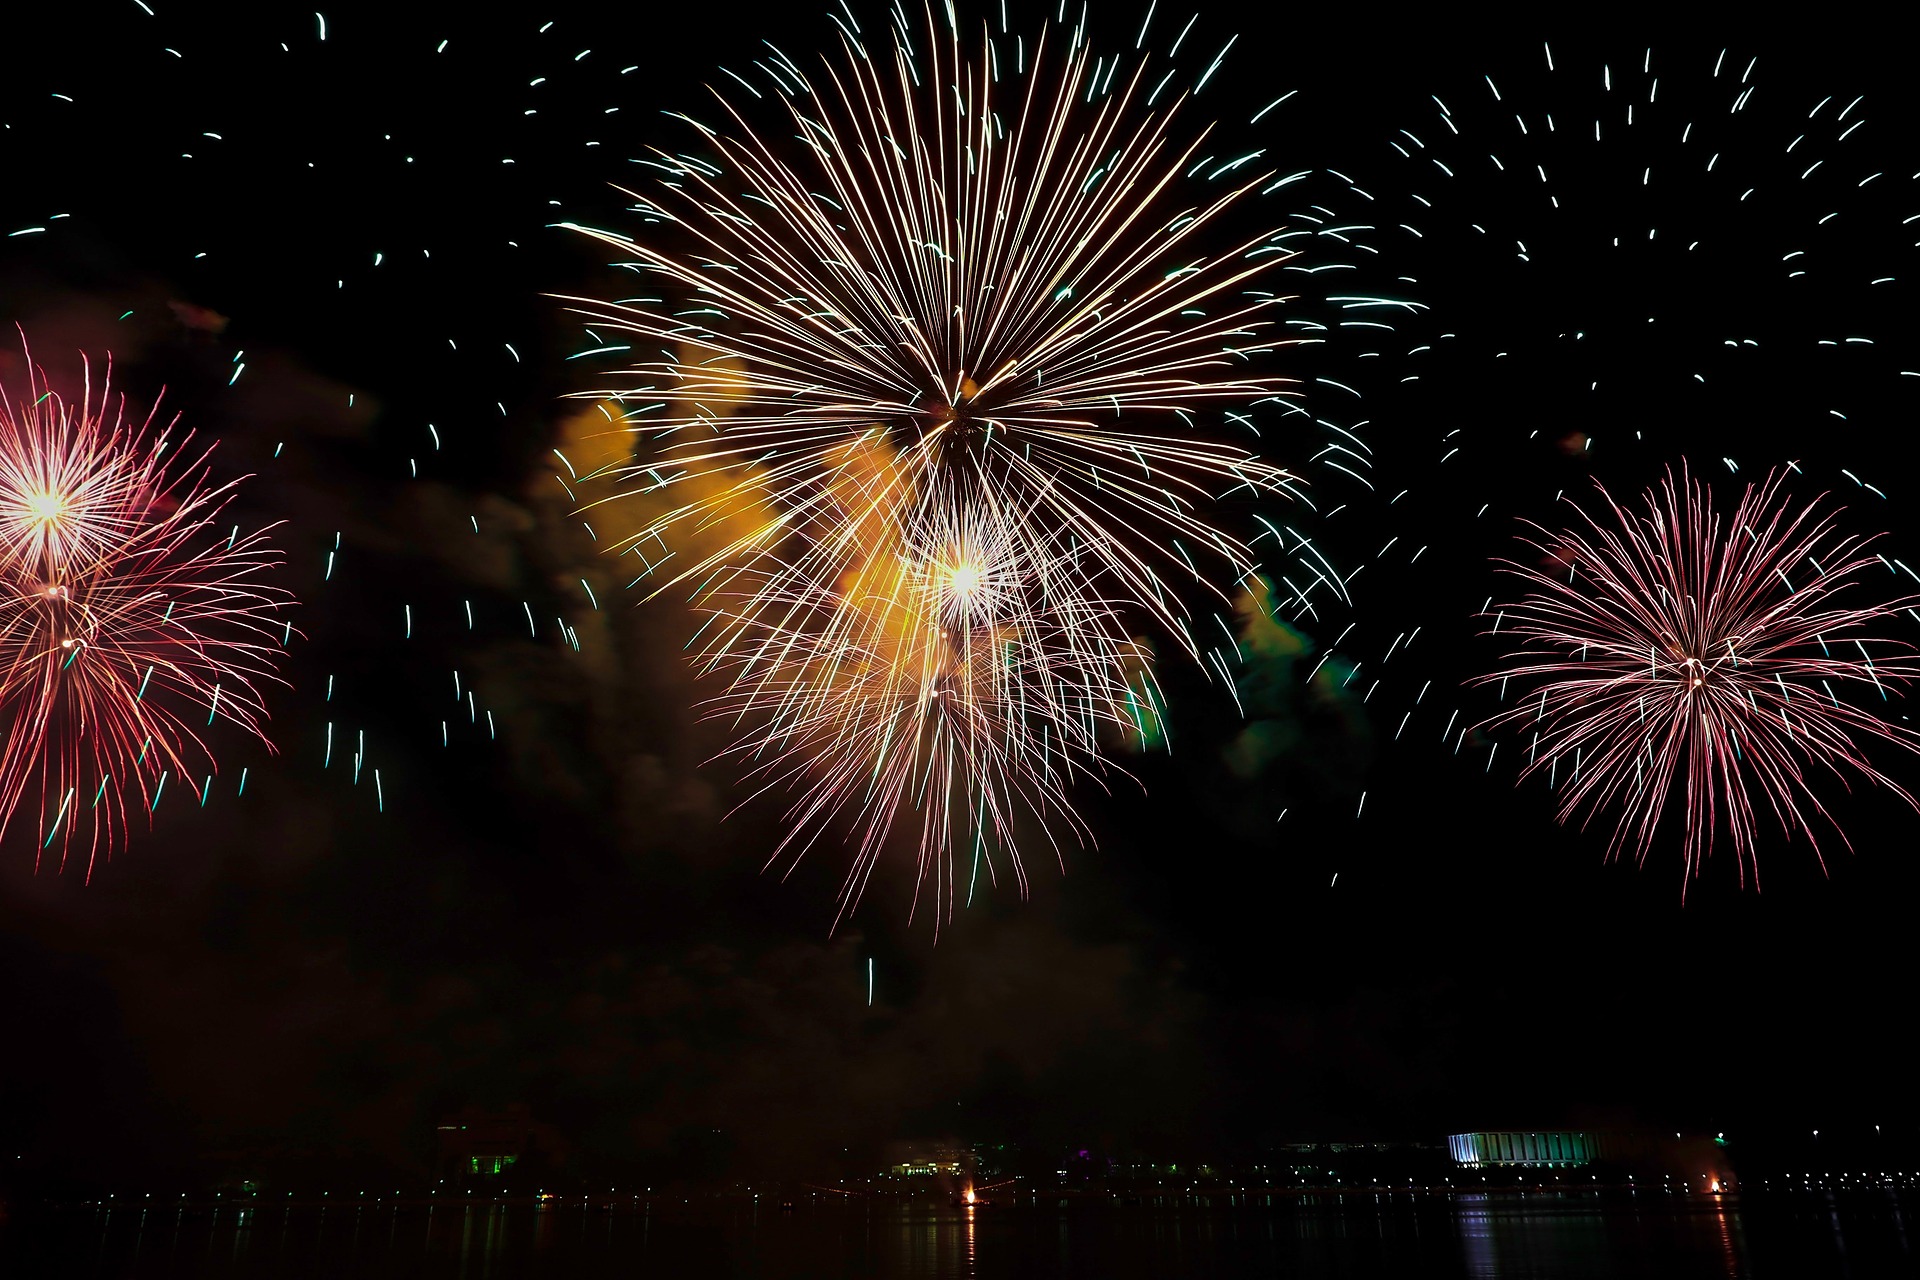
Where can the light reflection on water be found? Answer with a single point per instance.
(1482, 1237)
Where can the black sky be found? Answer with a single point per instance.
(561, 917)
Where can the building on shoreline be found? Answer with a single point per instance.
(943, 1159)
(1532, 1148)
(1608, 1153)
(479, 1144)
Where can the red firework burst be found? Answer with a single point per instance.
(1662, 650)
(128, 622)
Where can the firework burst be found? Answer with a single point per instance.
(956, 672)
(953, 347)
(1633, 253)
(128, 622)
(1012, 294)
(1663, 650)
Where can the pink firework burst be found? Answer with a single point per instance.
(129, 623)
(1661, 650)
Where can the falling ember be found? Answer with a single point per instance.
(1664, 651)
(124, 612)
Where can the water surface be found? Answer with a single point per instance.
(1866, 1235)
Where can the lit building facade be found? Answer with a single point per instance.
(1528, 1148)
(928, 1160)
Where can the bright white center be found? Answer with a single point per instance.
(964, 579)
(45, 508)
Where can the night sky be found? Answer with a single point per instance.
(565, 915)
